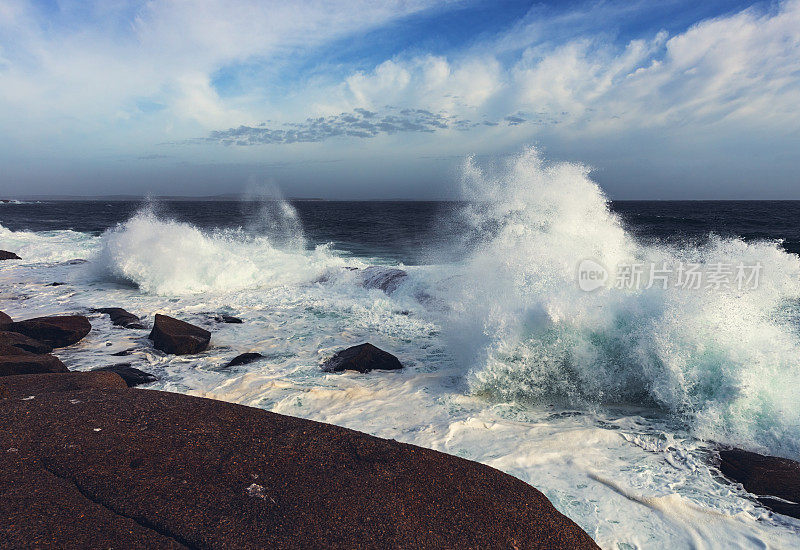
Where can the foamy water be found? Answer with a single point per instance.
(609, 402)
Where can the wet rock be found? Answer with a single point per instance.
(243, 359)
(56, 331)
(16, 361)
(6, 255)
(131, 376)
(386, 279)
(123, 352)
(56, 284)
(22, 342)
(179, 337)
(765, 476)
(228, 319)
(362, 358)
(5, 320)
(121, 318)
(185, 469)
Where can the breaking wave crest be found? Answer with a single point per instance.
(725, 360)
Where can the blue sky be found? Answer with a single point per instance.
(367, 99)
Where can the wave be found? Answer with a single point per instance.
(168, 257)
(726, 360)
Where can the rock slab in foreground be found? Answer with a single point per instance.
(174, 336)
(6, 255)
(362, 358)
(765, 476)
(158, 470)
(57, 331)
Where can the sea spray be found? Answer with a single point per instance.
(726, 360)
(168, 257)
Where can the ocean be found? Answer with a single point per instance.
(606, 387)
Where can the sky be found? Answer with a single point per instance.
(368, 99)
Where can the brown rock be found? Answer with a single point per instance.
(15, 361)
(5, 320)
(56, 331)
(243, 359)
(362, 358)
(765, 476)
(22, 342)
(152, 469)
(121, 318)
(6, 255)
(37, 384)
(131, 376)
(174, 336)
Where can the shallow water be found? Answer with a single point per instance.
(608, 401)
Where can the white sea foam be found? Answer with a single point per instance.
(726, 361)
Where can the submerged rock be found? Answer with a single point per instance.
(772, 479)
(386, 279)
(165, 470)
(22, 342)
(243, 359)
(16, 361)
(6, 255)
(228, 319)
(121, 318)
(179, 337)
(57, 331)
(131, 376)
(362, 358)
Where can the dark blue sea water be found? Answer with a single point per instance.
(407, 232)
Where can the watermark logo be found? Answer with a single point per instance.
(591, 275)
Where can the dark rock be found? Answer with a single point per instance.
(131, 376)
(243, 359)
(123, 353)
(56, 284)
(386, 279)
(121, 318)
(25, 385)
(5, 320)
(765, 476)
(6, 255)
(22, 342)
(173, 336)
(198, 473)
(228, 319)
(15, 361)
(56, 331)
(362, 358)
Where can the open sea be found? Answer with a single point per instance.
(610, 399)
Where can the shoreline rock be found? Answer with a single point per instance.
(161, 470)
(56, 331)
(243, 359)
(131, 376)
(22, 342)
(14, 361)
(362, 358)
(6, 255)
(5, 320)
(772, 479)
(178, 337)
(121, 318)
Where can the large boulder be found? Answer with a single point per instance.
(174, 336)
(362, 358)
(773, 479)
(121, 318)
(22, 342)
(57, 331)
(6, 255)
(131, 376)
(5, 320)
(150, 469)
(386, 279)
(15, 361)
